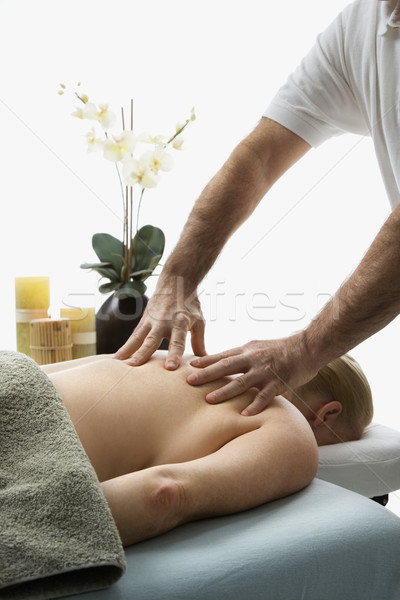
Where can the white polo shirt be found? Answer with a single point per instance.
(350, 81)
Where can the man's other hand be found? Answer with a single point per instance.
(271, 366)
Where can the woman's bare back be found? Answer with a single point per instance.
(130, 418)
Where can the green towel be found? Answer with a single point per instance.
(57, 535)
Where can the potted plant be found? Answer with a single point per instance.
(126, 264)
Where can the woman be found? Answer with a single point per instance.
(164, 456)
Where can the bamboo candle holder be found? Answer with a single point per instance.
(51, 340)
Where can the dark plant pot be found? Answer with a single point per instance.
(116, 319)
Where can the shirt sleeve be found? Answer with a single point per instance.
(317, 102)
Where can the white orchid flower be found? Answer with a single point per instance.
(106, 117)
(100, 114)
(137, 171)
(90, 111)
(177, 143)
(120, 146)
(78, 113)
(157, 140)
(94, 143)
(158, 160)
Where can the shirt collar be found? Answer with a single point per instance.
(389, 15)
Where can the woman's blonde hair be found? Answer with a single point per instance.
(344, 380)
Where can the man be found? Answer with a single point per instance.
(350, 81)
(165, 457)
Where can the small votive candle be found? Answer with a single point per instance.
(32, 301)
(83, 329)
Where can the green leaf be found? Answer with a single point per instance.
(95, 265)
(104, 269)
(108, 249)
(142, 272)
(154, 262)
(132, 288)
(110, 274)
(147, 249)
(109, 287)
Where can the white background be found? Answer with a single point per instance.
(226, 58)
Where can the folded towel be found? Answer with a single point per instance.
(57, 535)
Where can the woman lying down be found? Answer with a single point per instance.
(164, 456)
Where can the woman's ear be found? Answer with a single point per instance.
(327, 415)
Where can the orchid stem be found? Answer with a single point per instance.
(130, 234)
(138, 210)
(131, 114)
(126, 237)
(131, 216)
(137, 226)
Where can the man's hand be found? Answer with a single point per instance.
(167, 315)
(271, 366)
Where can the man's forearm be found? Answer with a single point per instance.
(366, 302)
(230, 198)
(224, 204)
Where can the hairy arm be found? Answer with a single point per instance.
(226, 202)
(366, 302)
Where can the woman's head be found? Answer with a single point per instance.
(337, 402)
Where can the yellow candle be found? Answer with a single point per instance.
(32, 301)
(83, 328)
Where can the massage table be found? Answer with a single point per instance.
(330, 541)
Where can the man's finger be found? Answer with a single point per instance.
(177, 341)
(176, 350)
(237, 386)
(197, 338)
(210, 359)
(134, 342)
(148, 347)
(222, 368)
(260, 402)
